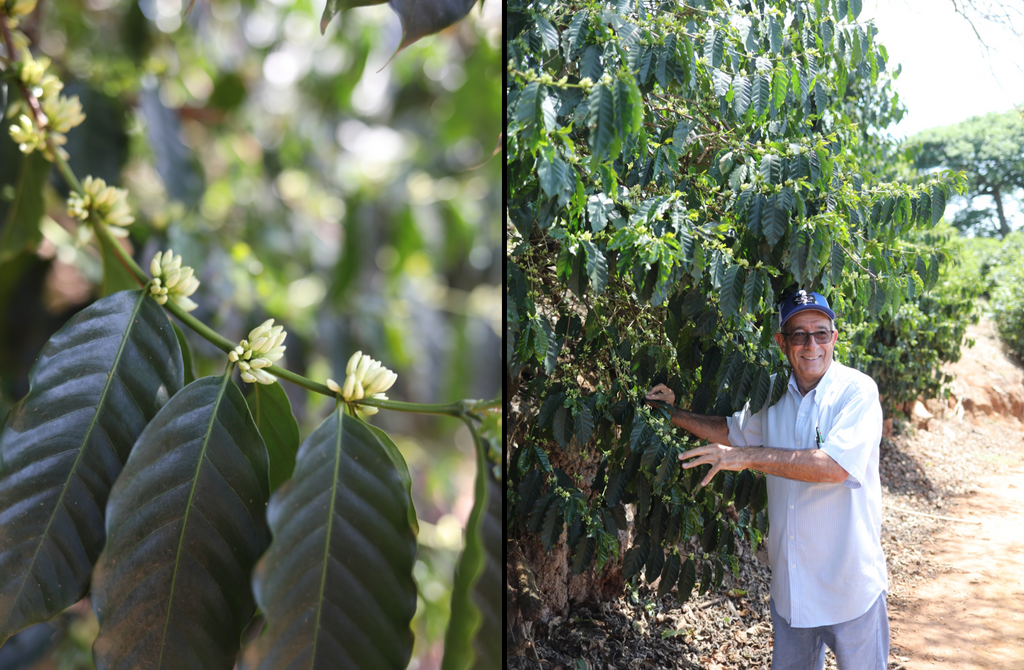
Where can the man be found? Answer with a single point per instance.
(819, 448)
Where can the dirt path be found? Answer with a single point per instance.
(971, 616)
(966, 609)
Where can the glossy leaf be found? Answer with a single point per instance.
(186, 355)
(669, 574)
(762, 93)
(337, 6)
(732, 290)
(185, 525)
(597, 267)
(741, 99)
(23, 176)
(475, 625)
(272, 412)
(687, 580)
(426, 17)
(97, 383)
(336, 584)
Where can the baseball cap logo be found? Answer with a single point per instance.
(802, 298)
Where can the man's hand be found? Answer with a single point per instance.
(718, 456)
(662, 393)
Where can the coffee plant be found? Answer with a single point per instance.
(673, 169)
(190, 513)
(1006, 276)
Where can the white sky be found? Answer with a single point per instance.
(947, 76)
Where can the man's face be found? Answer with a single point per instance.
(810, 360)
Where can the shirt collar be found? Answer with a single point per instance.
(824, 384)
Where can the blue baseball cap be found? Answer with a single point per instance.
(802, 301)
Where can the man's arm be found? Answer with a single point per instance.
(808, 465)
(712, 428)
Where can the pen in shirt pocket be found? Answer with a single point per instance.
(819, 440)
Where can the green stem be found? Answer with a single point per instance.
(463, 409)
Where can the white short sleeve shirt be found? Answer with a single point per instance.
(824, 540)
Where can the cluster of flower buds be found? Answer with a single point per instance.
(365, 378)
(61, 113)
(171, 280)
(260, 350)
(108, 203)
(20, 7)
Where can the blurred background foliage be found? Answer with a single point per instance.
(323, 180)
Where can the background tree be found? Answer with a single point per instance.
(316, 180)
(673, 169)
(989, 150)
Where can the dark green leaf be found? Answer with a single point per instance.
(272, 412)
(762, 93)
(669, 574)
(598, 207)
(584, 426)
(732, 290)
(583, 555)
(547, 31)
(185, 525)
(535, 113)
(563, 426)
(687, 580)
(116, 277)
(530, 487)
(668, 468)
(706, 578)
(186, 354)
(938, 197)
(741, 99)
(752, 291)
(20, 228)
(855, 7)
(721, 81)
(605, 143)
(336, 584)
(775, 34)
(714, 46)
(775, 220)
(475, 624)
(780, 85)
(759, 390)
(553, 174)
(426, 17)
(655, 563)
(635, 557)
(771, 168)
(337, 6)
(97, 383)
(553, 523)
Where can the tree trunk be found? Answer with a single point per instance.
(1004, 227)
(540, 584)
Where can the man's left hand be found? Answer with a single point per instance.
(718, 456)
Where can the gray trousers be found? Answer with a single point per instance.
(860, 644)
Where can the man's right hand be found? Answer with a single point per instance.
(662, 393)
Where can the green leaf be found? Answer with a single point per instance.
(426, 17)
(762, 93)
(186, 354)
(474, 629)
(732, 290)
(855, 7)
(548, 32)
(116, 276)
(721, 81)
(714, 46)
(687, 580)
(337, 6)
(799, 254)
(185, 525)
(635, 557)
(598, 207)
(774, 220)
(780, 85)
(584, 426)
(563, 426)
(669, 574)
(20, 231)
(938, 196)
(583, 554)
(775, 34)
(605, 143)
(752, 291)
(97, 383)
(336, 583)
(771, 168)
(553, 174)
(535, 113)
(272, 412)
(759, 390)
(741, 100)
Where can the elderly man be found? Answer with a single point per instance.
(829, 579)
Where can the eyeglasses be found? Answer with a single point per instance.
(800, 338)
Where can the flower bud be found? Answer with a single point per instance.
(353, 362)
(179, 282)
(333, 385)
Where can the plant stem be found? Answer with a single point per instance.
(463, 409)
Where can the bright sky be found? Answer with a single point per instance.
(947, 76)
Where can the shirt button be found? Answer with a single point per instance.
(793, 566)
(792, 537)
(791, 507)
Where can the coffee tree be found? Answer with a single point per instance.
(191, 514)
(673, 169)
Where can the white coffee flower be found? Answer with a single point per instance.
(110, 204)
(171, 280)
(260, 350)
(365, 378)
